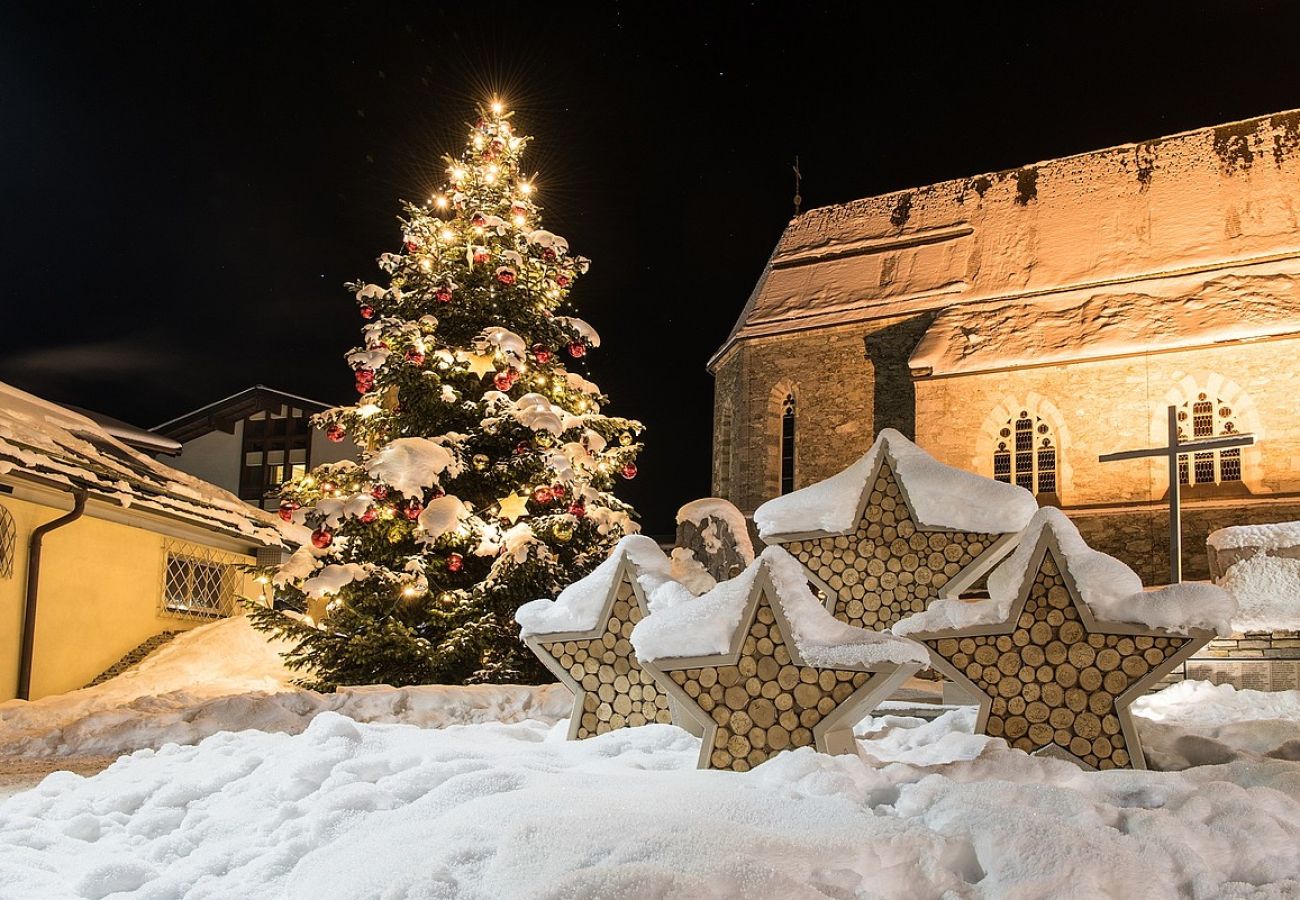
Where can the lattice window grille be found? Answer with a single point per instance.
(1207, 418)
(8, 543)
(1025, 454)
(198, 582)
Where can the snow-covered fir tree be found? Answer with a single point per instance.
(486, 467)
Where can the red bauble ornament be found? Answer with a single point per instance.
(518, 209)
(366, 375)
(414, 356)
(563, 280)
(363, 386)
(543, 495)
(442, 295)
(482, 254)
(558, 491)
(504, 381)
(367, 311)
(577, 509)
(287, 508)
(412, 509)
(541, 354)
(548, 254)
(369, 515)
(577, 349)
(521, 448)
(478, 220)
(455, 562)
(628, 471)
(321, 538)
(506, 275)
(335, 433)
(412, 246)
(379, 492)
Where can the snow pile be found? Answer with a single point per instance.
(1110, 589)
(1199, 723)
(180, 717)
(1274, 536)
(411, 465)
(973, 337)
(941, 496)
(41, 440)
(707, 625)
(1267, 591)
(699, 511)
(352, 810)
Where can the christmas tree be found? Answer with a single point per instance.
(486, 466)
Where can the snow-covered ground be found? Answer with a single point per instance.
(354, 810)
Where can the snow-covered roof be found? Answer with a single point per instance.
(1213, 198)
(132, 435)
(237, 406)
(48, 443)
(940, 496)
(1080, 325)
(706, 625)
(1111, 590)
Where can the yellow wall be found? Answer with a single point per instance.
(99, 598)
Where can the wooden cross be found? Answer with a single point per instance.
(1172, 451)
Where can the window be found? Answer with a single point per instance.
(1025, 454)
(787, 444)
(198, 582)
(1208, 419)
(276, 449)
(8, 543)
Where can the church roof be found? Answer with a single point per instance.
(1087, 324)
(1200, 201)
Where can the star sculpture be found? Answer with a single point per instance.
(480, 363)
(890, 565)
(761, 697)
(514, 506)
(610, 688)
(1055, 680)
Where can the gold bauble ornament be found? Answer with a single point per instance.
(544, 439)
(395, 534)
(625, 438)
(480, 462)
(563, 532)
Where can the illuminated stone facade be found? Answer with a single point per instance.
(1020, 324)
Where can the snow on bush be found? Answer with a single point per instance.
(1274, 536)
(348, 810)
(941, 496)
(1110, 589)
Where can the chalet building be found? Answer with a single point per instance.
(1022, 323)
(103, 548)
(252, 442)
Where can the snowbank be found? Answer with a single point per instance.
(941, 496)
(1267, 591)
(1110, 589)
(706, 625)
(349, 810)
(1198, 723)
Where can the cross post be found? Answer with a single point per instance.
(1172, 451)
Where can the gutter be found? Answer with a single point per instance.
(33, 587)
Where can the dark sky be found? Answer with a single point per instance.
(187, 186)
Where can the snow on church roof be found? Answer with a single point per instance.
(1091, 325)
(45, 442)
(1213, 198)
(941, 496)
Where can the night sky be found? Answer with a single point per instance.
(187, 186)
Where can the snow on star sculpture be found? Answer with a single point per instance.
(761, 666)
(1065, 642)
(582, 637)
(895, 531)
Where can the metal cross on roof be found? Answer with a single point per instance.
(1172, 451)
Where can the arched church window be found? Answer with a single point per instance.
(1025, 454)
(1207, 418)
(8, 543)
(787, 444)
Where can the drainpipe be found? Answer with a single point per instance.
(33, 586)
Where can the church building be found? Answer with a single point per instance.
(1020, 324)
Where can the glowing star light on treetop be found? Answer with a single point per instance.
(467, 412)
